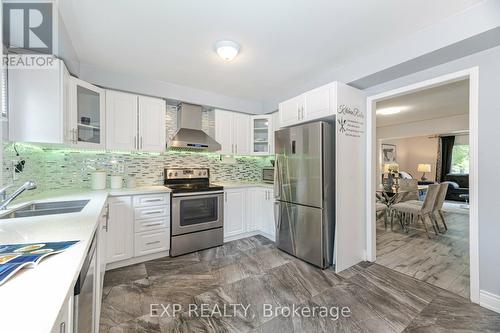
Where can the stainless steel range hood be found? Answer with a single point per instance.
(189, 135)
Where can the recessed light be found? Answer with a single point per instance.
(388, 111)
(227, 50)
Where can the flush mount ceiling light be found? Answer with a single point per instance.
(227, 50)
(388, 111)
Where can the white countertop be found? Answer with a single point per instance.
(31, 299)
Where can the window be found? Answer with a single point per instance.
(460, 159)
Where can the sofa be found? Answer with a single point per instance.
(459, 184)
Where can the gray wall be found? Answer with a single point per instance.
(489, 156)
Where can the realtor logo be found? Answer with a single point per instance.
(28, 27)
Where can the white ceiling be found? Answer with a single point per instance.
(283, 42)
(443, 101)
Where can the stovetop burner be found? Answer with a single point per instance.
(189, 180)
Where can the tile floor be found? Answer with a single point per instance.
(442, 261)
(253, 272)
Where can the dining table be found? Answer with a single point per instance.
(393, 195)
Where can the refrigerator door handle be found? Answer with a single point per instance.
(277, 216)
(277, 180)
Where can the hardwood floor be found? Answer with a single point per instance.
(252, 272)
(442, 261)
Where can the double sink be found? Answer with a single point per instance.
(46, 208)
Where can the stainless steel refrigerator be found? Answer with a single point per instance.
(304, 191)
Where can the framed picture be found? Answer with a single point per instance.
(388, 153)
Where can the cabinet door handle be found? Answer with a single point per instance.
(135, 142)
(153, 212)
(236, 148)
(151, 243)
(62, 327)
(153, 224)
(107, 219)
(74, 136)
(153, 200)
(225, 196)
(141, 142)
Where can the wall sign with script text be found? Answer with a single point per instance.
(350, 121)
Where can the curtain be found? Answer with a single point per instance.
(447, 143)
(438, 162)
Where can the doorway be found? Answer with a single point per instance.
(373, 166)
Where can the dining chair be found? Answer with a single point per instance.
(410, 189)
(381, 207)
(420, 212)
(438, 205)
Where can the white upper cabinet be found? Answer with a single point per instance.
(87, 116)
(318, 103)
(291, 111)
(224, 131)
(241, 135)
(261, 135)
(135, 122)
(232, 131)
(315, 104)
(152, 124)
(38, 102)
(121, 130)
(50, 106)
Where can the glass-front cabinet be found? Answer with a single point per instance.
(261, 135)
(86, 115)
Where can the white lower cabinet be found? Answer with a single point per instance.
(248, 210)
(101, 231)
(64, 321)
(151, 242)
(138, 226)
(255, 212)
(119, 240)
(235, 212)
(268, 226)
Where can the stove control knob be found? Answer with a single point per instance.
(170, 174)
(199, 173)
(204, 173)
(175, 174)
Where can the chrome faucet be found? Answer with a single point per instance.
(29, 185)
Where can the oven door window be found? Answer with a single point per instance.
(198, 211)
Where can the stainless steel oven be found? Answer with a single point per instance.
(197, 211)
(197, 215)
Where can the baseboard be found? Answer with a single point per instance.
(489, 301)
(136, 260)
(268, 236)
(249, 234)
(240, 236)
